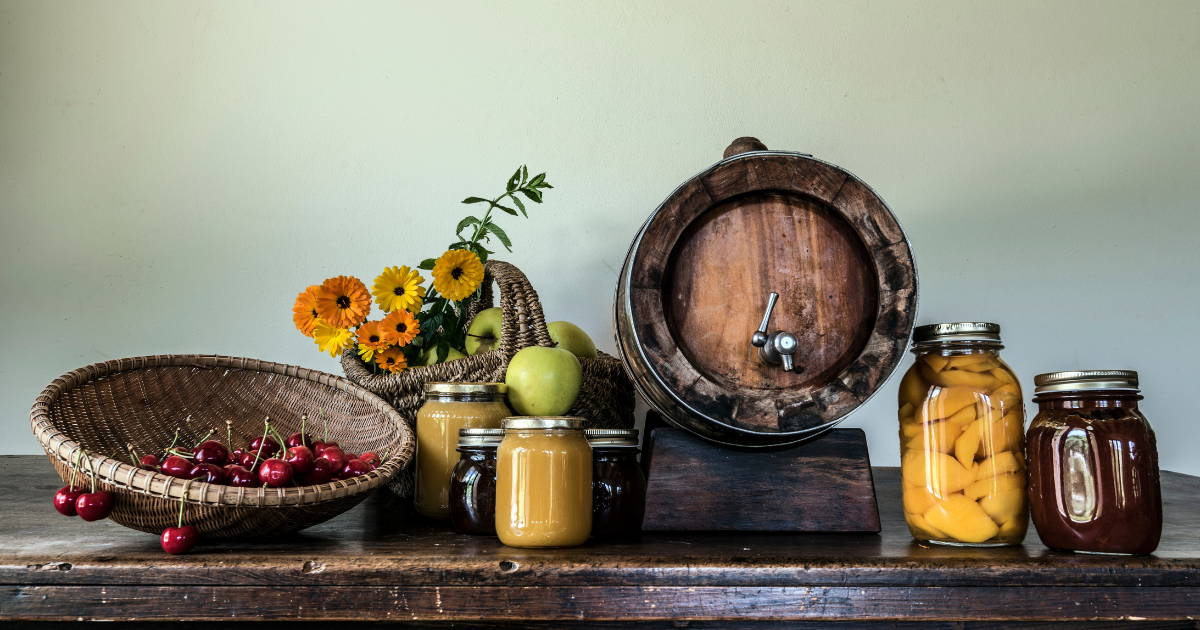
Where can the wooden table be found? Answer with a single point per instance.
(382, 562)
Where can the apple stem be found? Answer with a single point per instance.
(303, 423)
(182, 499)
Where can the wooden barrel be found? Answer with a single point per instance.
(698, 277)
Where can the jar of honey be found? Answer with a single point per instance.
(449, 407)
(618, 483)
(1093, 464)
(962, 434)
(543, 483)
(473, 482)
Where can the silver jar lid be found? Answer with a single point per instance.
(542, 423)
(957, 331)
(451, 389)
(612, 437)
(480, 437)
(1086, 380)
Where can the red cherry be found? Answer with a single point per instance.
(370, 459)
(354, 468)
(319, 447)
(210, 452)
(93, 506)
(64, 500)
(300, 458)
(322, 472)
(335, 456)
(177, 540)
(266, 445)
(177, 467)
(275, 472)
(207, 472)
(150, 462)
(299, 439)
(239, 477)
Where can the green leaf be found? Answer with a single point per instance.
(464, 223)
(533, 194)
(475, 200)
(524, 174)
(427, 264)
(459, 245)
(495, 229)
(537, 179)
(517, 200)
(508, 210)
(443, 350)
(514, 181)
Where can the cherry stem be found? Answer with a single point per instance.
(303, 422)
(206, 436)
(182, 499)
(258, 452)
(282, 442)
(189, 425)
(75, 475)
(229, 432)
(383, 458)
(92, 474)
(174, 441)
(325, 420)
(133, 456)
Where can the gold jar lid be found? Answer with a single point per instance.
(486, 389)
(1081, 380)
(542, 423)
(957, 331)
(480, 437)
(612, 437)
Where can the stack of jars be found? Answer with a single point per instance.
(531, 481)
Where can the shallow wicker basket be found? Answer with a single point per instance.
(142, 400)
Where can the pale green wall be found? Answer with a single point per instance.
(173, 173)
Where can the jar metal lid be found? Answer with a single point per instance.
(466, 388)
(957, 331)
(1086, 380)
(542, 422)
(480, 437)
(612, 437)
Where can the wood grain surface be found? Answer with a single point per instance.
(381, 561)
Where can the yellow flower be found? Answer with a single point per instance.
(343, 301)
(391, 360)
(400, 328)
(370, 340)
(457, 274)
(304, 312)
(332, 339)
(399, 288)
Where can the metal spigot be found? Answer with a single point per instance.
(777, 347)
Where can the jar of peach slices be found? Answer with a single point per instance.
(962, 455)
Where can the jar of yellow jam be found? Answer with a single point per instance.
(449, 407)
(543, 483)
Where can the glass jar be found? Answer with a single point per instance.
(473, 482)
(962, 434)
(543, 483)
(618, 483)
(449, 407)
(1093, 464)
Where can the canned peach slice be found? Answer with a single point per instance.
(939, 472)
(913, 388)
(936, 436)
(1000, 434)
(918, 499)
(999, 483)
(962, 519)
(964, 417)
(1004, 505)
(964, 361)
(945, 402)
(918, 525)
(959, 378)
(998, 464)
(967, 445)
(936, 362)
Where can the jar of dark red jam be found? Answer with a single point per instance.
(1093, 464)
(618, 483)
(473, 482)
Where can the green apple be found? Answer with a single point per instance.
(485, 331)
(429, 357)
(571, 338)
(543, 381)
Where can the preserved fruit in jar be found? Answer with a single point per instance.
(543, 483)
(962, 433)
(449, 407)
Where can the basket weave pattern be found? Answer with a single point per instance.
(606, 399)
(101, 408)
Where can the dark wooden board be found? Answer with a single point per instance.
(354, 564)
(822, 486)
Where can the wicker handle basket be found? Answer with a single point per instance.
(99, 409)
(606, 398)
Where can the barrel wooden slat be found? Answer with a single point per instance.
(696, 281)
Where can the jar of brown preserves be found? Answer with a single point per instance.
(473, 482)
(618, 483)
(1093, 464)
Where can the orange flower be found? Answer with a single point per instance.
(343, 301)
(304, 313)
(400, 328)
(370, 340)
(392, 359)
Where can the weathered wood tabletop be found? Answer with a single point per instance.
(381, 562)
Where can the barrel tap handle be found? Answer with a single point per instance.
(778, 347)
(760, 336)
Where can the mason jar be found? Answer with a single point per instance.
(449, 407)
(473, 482)
(1093, 464)
(618, 483)
(543, 483)
(962, 434)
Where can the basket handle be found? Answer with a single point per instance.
(524, 324)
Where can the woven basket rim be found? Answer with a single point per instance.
(126, 477)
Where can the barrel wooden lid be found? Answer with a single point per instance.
(697, 280)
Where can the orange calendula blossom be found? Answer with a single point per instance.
(370, 340)
(391, 360)
(457, 273)
(399, 288)
(400, 328)
(343, 301)
(304, 312)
